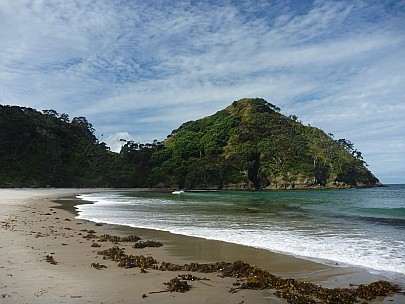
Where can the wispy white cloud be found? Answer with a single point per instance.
(145, 67)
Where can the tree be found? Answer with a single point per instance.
(346, 144)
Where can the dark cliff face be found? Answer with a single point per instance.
(251, 145)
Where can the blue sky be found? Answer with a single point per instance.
(138, 69)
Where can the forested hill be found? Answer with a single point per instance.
(40, 149)
(248, 145)
(251, 145)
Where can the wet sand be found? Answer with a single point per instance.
(33, 225)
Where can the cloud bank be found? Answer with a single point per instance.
(141, 68)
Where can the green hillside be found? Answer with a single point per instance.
(40, 149)
(248, 145)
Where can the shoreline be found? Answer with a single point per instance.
(187, 249)
(32, 227)
(201, 249)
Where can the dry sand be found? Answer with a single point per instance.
(32, 226)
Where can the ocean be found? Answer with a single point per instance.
(346, 227)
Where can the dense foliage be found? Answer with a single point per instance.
(46, 149)
(251, 145)
(248, 145)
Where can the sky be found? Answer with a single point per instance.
(139, 69)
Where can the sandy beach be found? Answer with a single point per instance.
(40, 223)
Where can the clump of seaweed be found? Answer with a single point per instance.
(176, 285)
(375, 289)
(295, 298)
(236, 269)
(142, 244)
(190, 277)
(50, 259)
(95, 244)
(140, 261)
(127, 261)
(167, 266)
(117, 239)
(97, 266)
(91, 234)
(115, 253)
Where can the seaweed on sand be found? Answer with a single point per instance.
(142, 244)
(117, 239)
(127, 261)
(253, 277)
(177, 285)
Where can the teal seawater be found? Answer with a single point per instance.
(361, 227)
